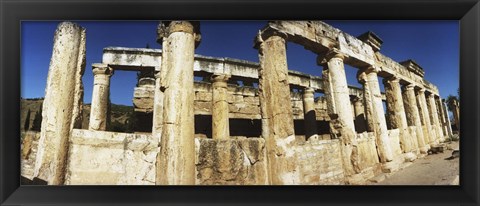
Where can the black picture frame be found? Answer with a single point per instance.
(12, 12)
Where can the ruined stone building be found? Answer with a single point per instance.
(244, 123)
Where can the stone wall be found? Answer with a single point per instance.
(110, 158)
(239, 161)
(318, 162)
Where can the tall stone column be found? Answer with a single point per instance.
(368, 77)
(100, 97)
(220, 125)
(276, 107)
(456, 114)
(425, 117)
(396, 112)
(447, 119)
(435, 136)
(310, 117)
(413, 116)
(339, 108)
(176, 160)
(62, 104)
(360, 119)
(157, 120)
(434, 116)
(441, 116)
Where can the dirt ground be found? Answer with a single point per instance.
(433, 169)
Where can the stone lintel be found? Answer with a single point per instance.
(412, 66)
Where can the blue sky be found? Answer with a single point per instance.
(434, 45)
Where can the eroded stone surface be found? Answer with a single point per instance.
(59, 115)
(348, 153)
(177, 152)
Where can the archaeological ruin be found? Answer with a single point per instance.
(222, 121)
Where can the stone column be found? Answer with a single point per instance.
(176, 160)
(220, 124)
(276, 107)
(310, 117)
(339, 109)
(396, 112)
(456, 114)
(413, 116)
(425, 117)
(434, 116)
(157, 116)
(100, 97)
(441, 116)
(368, 77)
(360, 119)
(447, 119)
(62, 104)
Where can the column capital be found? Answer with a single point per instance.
(165, 28)
(355, 98)
(308, 90)
(323, 59)
(393, 79)
(265, 34)
(220, 78)
(409, 87)
(101, 69)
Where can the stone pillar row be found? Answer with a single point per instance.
(413, 116)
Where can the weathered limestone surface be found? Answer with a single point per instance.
(413, 117)
(435, 119)
(131, 58)
(100, 96)
(339, 109)
(59, 115)
(309, 110)
(231, 161)
(425, 117)
(369, 79)
(396, 113)
(441, 117)
(360, 118)
(172, 155)
(220, 126)
(110, 158)
(29, 148)
(157, 117)
(447, 119)
(276, 108)
(318, 162)
(144, 94)
(456, 114)
(176, 162)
